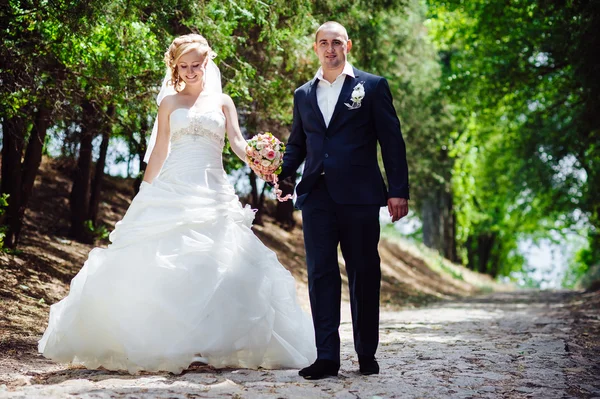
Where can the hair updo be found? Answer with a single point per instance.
(180, 46)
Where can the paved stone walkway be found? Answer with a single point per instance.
(505, 345)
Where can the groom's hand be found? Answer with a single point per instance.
(398, 208)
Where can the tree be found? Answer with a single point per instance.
(523, 79)
(32, 78)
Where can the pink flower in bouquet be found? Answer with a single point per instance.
(265, 155)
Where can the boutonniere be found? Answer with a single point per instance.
(358, 93)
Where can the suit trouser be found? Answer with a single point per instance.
(356, 229)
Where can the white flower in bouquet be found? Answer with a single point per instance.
(264, 154)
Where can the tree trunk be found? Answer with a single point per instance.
(141, 151)
(99, 177)
(471, 253)
(430, 216)
(284, 214)
(494, 262)
(80, 193)
(259, 204)
(254, 189)
(593, 209)
(96, 190)
(449, 228)
(485, 244)
(31, 163)
(33, 153)
(439, 224)
(479, 249)
(12, 150)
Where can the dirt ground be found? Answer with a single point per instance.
(521, 344)
(508, 344)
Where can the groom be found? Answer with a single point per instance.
(339, 117)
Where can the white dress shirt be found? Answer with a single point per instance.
(328, 93)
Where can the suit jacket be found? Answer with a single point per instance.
(346, 150)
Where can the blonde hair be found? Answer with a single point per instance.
(180, 46)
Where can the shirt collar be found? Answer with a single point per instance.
(348, 70)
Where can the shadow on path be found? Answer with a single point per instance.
(524, 344)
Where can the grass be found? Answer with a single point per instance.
(439, 264)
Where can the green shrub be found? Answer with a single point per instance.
(3, 228)
(99, 232)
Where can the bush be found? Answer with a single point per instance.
(99, 232)
(582, 271)
(3, 228)
(591, 279)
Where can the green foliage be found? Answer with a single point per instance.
(107, 57)
(234, 163)
(99, 232)
(584, 269)
(525, 93)
(456, 274)
(578, 267)
(498, 100)
(3, 206)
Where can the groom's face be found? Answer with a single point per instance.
(332, 46)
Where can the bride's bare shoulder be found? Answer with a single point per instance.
(226, 101)
(170, 103)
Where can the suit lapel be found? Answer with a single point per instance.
(312, 95)
(344, 97)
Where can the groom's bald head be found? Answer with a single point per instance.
(332, 26)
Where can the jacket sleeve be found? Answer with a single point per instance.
(295, 151)
(389, 135)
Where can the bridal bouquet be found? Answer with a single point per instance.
(264, 154)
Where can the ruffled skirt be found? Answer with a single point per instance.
(184, 276)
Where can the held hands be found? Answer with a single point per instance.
(398, 208)
(272, 180)
(268, 178)
(264, 153)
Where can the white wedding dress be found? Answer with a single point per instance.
(184, 276)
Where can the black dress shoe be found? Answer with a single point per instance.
(368, 365)
(321, 368)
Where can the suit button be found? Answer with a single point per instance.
(326, 155)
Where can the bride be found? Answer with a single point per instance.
(184, 278)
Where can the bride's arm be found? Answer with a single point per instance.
(234, 134)
(161, 148)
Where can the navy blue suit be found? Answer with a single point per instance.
(342, 205)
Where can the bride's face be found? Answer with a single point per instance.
(191, 67)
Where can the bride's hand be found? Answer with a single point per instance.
(256, 172)
(269, 178)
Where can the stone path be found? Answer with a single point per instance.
(505, 345)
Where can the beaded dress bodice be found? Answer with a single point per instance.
(195, 124)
